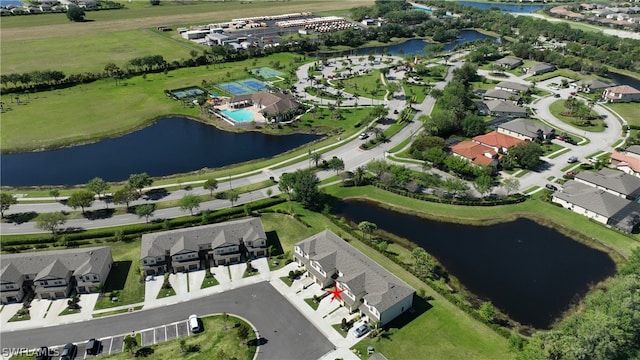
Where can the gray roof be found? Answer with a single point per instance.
(540, 67)
(509, 60)
(227, 233)
(596, 84)
(57, 263)
(504, 106)
(525, 127)
(501, 94)
(9, 273)
(615, 180)
(273, 103)
(622, 213)
(512, 85)
(383, 288)
(634, 149)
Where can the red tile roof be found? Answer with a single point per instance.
(474, 152)
(497, 139)
(623, 89)
(626, 160)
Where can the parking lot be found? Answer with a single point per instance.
(115, 344)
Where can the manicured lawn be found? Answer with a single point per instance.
(124, 276)
(363, 85)
(20, 318)
(286, 280)
(166, 293)
(628, 111)
(322, 120)
(285, 228)
(314, 305)
(115, 312)
(557, 109)
(417, 92)
(209, 282)
(213, 341)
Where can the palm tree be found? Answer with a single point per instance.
(359, 175)
(315, 157)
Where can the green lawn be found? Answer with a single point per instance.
(628, 111)
(166, 293)
(68, 311)
(213, 341)
(115, 312)
(557, 108)
(209, 282)
(418, 92)
(314, 305)
(363, 85)
(124, 276)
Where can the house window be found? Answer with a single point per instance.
(144, 262)
(95, 277)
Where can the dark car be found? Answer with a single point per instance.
(43, 353)
(551, 187)
(93, 347)
(557, 95)
(570, 141)
(69, 352)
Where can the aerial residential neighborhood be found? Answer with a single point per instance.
(361, 179)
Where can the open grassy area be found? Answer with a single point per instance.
(212, 341)
(124, 277)
(166, 293)
(365, 86)
(628, 111)
(557, 109)
(115, 312)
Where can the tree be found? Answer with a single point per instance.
(140, 181)
(483, 184)
(510, 185)
(50, 221)
(125, 195)
(359, 175)
(146, 211)
(367, 227)
(473, 125)
(75, 14)
(130, 343)
(80, 199)
(315, 157)
(55, 193)
(232, 195)
(487, 311)
(211, 185)
(189, 202)
(336, 164)
(6, 200)
(526, 155)
(302, 186)
(225, 319)
(97, 186)
(243, 333)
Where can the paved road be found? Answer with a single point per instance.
(287, 333)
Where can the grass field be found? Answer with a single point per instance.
(628, 111)
(124, 276)
(364, 85)
(212, 341)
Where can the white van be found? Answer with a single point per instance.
(194, 325)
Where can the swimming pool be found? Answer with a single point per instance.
(242, 115)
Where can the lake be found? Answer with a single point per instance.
(413, 46)
(512, 8)
(171, 145)
(530, 272)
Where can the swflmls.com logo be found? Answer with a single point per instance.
(9, 352)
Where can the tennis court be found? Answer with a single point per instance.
(191, 92)
(235, 88)
(266, 72)
(253, 84)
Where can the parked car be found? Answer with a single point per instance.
(194, 325)
(69, 352)
(557, 95)
(364, 136)
(594, 160)
(573, 93)
(93, 347)
(395, 111)
(572, 159)
(570, 141)
(361, 330)
(43, 353)
(551, 187)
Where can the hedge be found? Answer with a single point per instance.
(513, 199)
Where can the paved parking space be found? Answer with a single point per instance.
(183, 330)
(147, 337)
(172, 331)
(237, 270)
(160, 334)
(117, 344)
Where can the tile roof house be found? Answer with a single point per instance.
(501, 94)
(627, 160)
(614, 182)
(505, 108)
(539, 68)
(54, 274)
(271, 105)
(186, 249)
(599, 205)
(508, 62)
(512, 86)
(369, 288)
(526, 129)
(476, 153)
(497, 141)
(621, 93)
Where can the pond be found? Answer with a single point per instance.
(512, 8)
(414, 46)
(172, 145)
(530, 272)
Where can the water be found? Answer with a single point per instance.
(621, 79)
(17, 3)
(416, 46)
(170, 146)
(530, 272)
(512, 8)
(242, 115)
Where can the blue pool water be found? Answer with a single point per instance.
(241, 115)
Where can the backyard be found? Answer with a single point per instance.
(124, 279)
